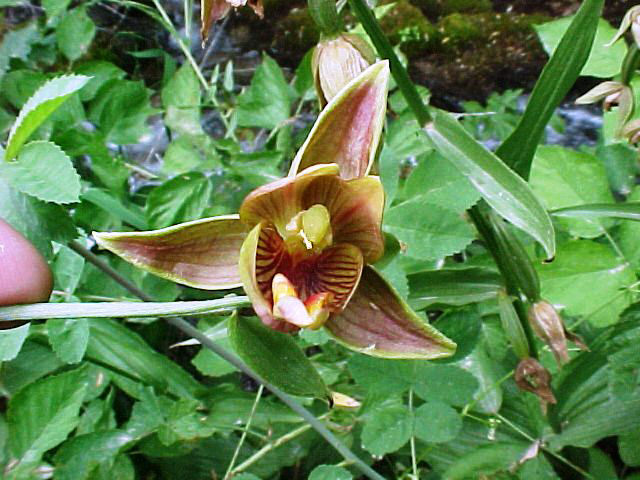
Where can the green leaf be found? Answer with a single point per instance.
(33, 361)
(563, 178)
(428, 231)
(44, 171)
(382, 375)
(75, 33)
(437, 181)
(181, 101)
(100, 72)
(191, 152)
(128, 214)
(488, 396)
(452, 287)
(628, 235)
(502, 189)
(387, 429)
(628, 448)
(120, 109)
(67, 269)
(627, 211)
(487, 460)
(11, 341)
(603, 62)
(276, 357)
(42, 414)
(329, 472)
(54, 8)
(557, 78)
(17, 43)
(180, 199)
(38, 108)
(267, 102)
(436, 422)
(79, 457)
(445, 383)
(68, 338)
(463, 326)
(587, 279)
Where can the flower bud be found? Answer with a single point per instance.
(631, 20)
(632, 131)
(337, 61)
(533, 377)
(548, 325)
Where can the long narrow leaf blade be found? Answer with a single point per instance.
(628, 211)
(557, 78)
(508, 194)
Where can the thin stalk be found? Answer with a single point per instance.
(412, 442)
(244, 432)
(206, 342)
(630, 63)
(385, 50)
(272, 446)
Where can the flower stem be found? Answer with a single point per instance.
(412, 441)
(630, 63)
(206, 342)
(385, 50)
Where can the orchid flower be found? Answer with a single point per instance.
(301, 246)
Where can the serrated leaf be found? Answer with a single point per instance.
(75, 33)
(276, 357)
(387, 429)
(557, 78)
(436, 422)
(44, 171)
(38, 108)
(68, 338)
(181, 199)
(563, 178)
(502, 189)
(428, 231)
(11, 341)
(41, 416)
(586, 278)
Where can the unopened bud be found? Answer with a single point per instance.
(533, 377)
(631, 20)
(337, 61)
(548, 325)
(632, 131)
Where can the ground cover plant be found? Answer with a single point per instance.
(218, 266)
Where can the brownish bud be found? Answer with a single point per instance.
(533, 377)
(337, 61)
(548, 325)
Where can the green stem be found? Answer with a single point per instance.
(325, 15)
(385, 50)
(223, 353)
(412, 442)
(630, 63)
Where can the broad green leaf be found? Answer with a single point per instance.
(463, 326)
(79, 457)
(454, 287)
(54, 8)
(628, 234)
(488, 396)
(487, 460)
(118, 347)
(11, 341)
(68, 338)
(503, 190)
(627, 211)
(120, 109)
(75, 33)
(267, 102)
(557, 78)
(181, 102)
(41, 416)
(436, 422)
(67, 269)
(428, 231)
(20, 85)
(33, 362)
(100, 72)
(17, 43)
(620, 162)
(38, 221)
(445, 383)
(128, 214)
(329, 472)
(191, 152)
(628, 448)
(588, 280)
(382, 375)
(38, 108)
(181, 199)
(387, 429)
(437, 181)
(44, 171)
(603, 61)
(564, 178)
(276, 357)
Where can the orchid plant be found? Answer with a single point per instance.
(302, 247)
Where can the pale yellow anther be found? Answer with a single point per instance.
(282, 287)
(309, 229)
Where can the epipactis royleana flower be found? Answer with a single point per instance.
(301, 246)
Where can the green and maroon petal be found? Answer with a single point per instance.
(348, 129)
(201, 254)
(377, 322)
(277, 202)
(355, 208)
(261, 256)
